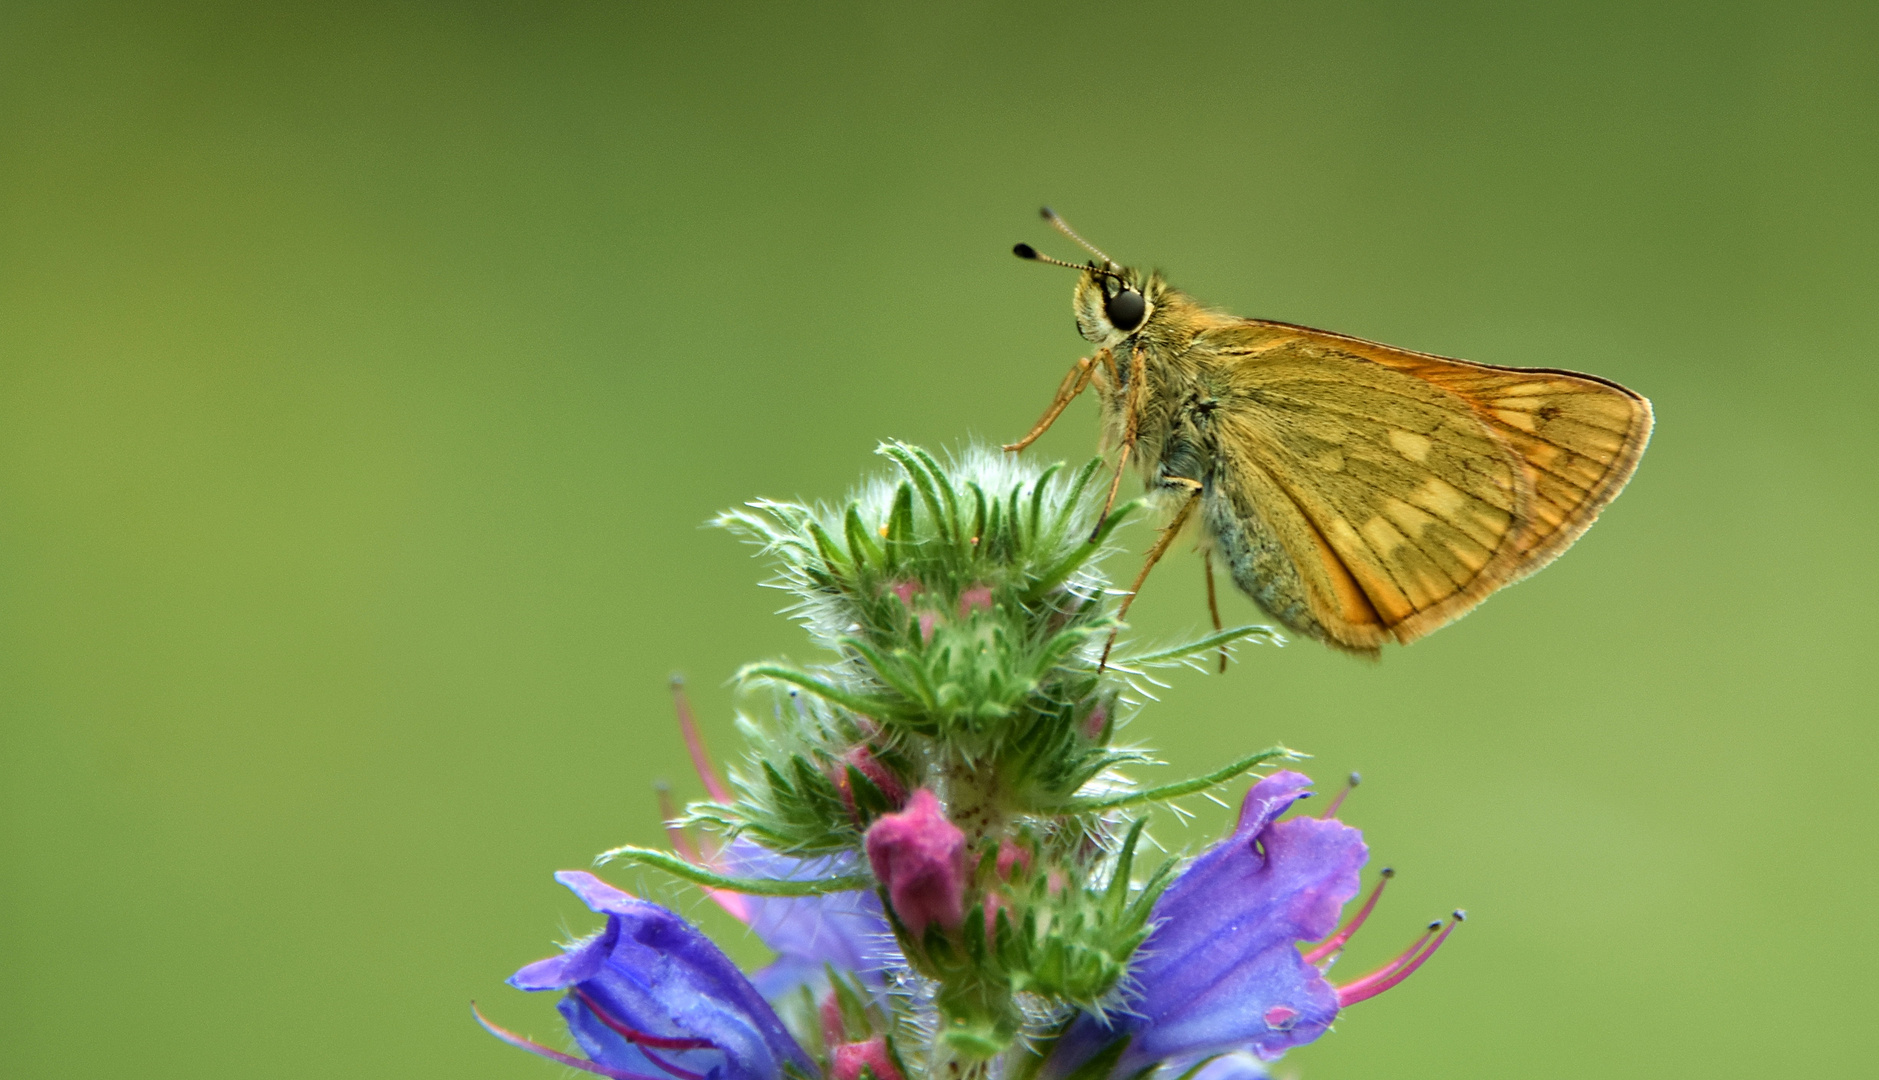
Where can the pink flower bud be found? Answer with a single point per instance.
(850, 1057)
(1011, 855)
(994, 904)
(977, 598)
(834, 1026)
(928, 620)
(906, 590)
(920, 858)
(863, 761)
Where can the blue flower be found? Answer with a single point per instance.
(1221, 972)
(650, 996)
(810, 934)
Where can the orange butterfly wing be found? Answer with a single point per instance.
(1405, 487)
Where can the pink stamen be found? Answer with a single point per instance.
(682, 842)
(695, 743)
(1338, 799)
(635, 1036)
(681, 838)
(1394, 965)
(1336, 941)
(1396, 970)
(569, 1060)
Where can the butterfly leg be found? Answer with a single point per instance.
(1072, 385)
(1154, 556)
(1131, 427)
(1213, 604)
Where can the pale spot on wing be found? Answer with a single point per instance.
(1383, 537)
(1411, 445)
(1330, 461)
(1528, 389)
(1494, 522)
(1412, 521)
(1545, 455)
(1440, 498)
(1516, 418)
(1484, 524)
(1472, 557)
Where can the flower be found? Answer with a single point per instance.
(810, 934)
(1221, 972)
(920, 859)
(650, 995)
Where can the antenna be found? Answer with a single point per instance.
(1026, 251)
(1063, 227)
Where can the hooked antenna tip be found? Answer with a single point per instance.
(1460, 915)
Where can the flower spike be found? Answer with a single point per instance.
(932, 833)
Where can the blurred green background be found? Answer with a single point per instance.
(366, 373)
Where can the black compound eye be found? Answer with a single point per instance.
(1126, 310)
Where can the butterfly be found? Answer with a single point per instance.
(1359, 493)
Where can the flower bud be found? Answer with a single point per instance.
(1010, 857)
(863, 761)
(977, 598)
(850, 1057)
(920, 859)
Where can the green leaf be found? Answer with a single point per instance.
(1266, 634)
(867, 706)
(1180, 788)
(698, 875)
(1083, 552)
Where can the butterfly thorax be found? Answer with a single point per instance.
(1179, 384)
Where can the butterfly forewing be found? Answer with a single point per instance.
(1578, 438)
(1425, 483)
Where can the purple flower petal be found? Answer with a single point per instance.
(1241, 1066)
(572, 1062)
(651, 971)
(1221, 972)
(844, 930)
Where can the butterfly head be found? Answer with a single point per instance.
(1112, 301)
